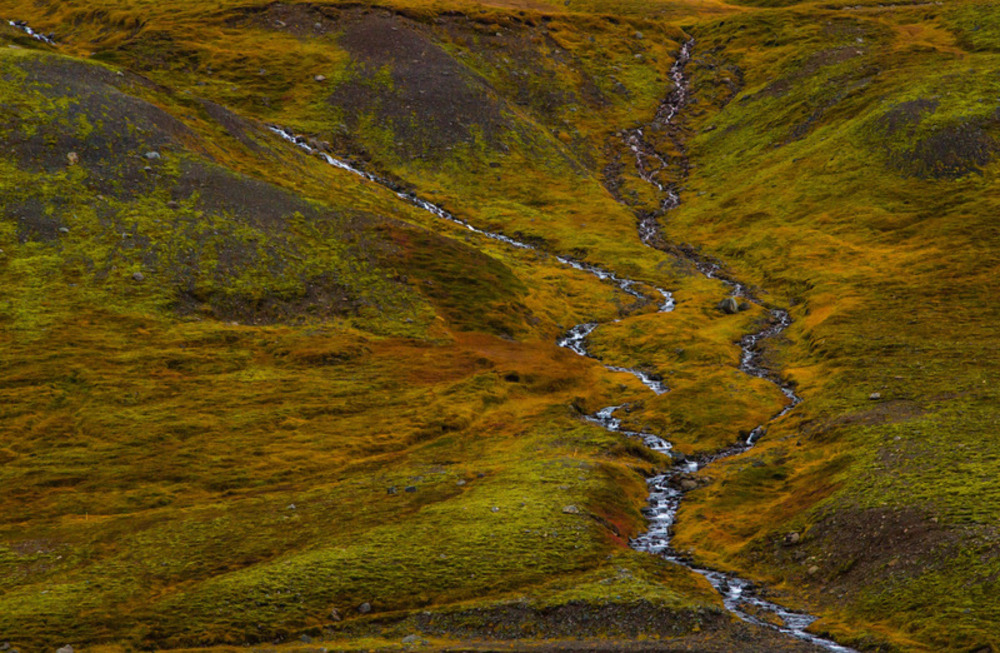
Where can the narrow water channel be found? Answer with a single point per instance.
(740, 596)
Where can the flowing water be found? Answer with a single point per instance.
(740, 596)
(574, 339)
(21, 25)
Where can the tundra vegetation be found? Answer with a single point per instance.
(249, 398)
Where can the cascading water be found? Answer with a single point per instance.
(23, 26)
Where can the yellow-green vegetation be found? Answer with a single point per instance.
(854, 177)
(241, 388)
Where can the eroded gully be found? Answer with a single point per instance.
(740, 596)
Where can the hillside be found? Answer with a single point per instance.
(345, 326)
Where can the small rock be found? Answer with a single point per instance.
(571, 510)
(744, 306)
(291, 506)
(365, 608)
(638, 35)
(152, 155)
(391, 489)
(306, 639)
(495, 509)
(138, 276)
(411, 488)
(875, 396)
(791, 539)
(639, 57)
(65, 649)
(813, 570)
(729, 306)
(411, 639)
(320, 78)
(72, 158)
(64, 230)
(689, 484)
(334, 614)
(172, 204)
(460, 482)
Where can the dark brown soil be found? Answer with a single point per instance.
(946, 152)
(130, 127)
(953, 151)
(584, 626)
(906, 115)
(853, 548)
(433, 102)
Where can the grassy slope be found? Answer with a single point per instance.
(212, 383)
(854, 176)
(850, 177)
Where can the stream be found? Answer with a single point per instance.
(741, 597)
(21, 25)
(574, 339)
